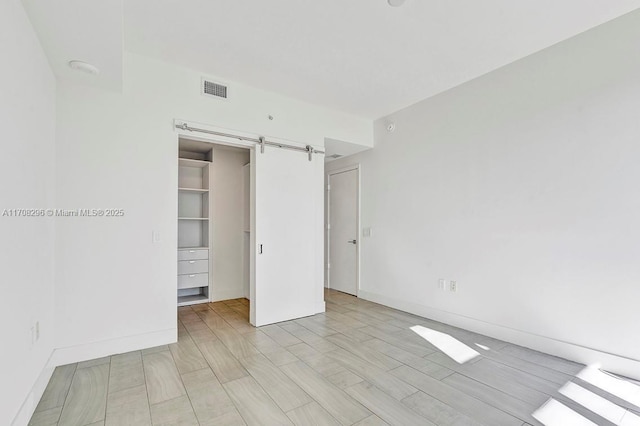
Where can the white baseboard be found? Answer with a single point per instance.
(85, 352)
(31, 401)
(610, 362)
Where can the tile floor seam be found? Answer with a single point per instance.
(185, 389)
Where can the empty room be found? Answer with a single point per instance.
(296, 212)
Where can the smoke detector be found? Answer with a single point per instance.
(84, 67)
(391, 127)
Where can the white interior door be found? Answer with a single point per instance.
(287, 219)
(343, 231)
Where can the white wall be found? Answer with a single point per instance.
(116, 290)
(522, 185)
(27, 117)
(227, 190)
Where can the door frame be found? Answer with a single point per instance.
(253, 149)
(357, 168)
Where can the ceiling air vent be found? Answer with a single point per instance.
(211, 88)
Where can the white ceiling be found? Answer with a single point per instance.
(86, 30)
(359, 56)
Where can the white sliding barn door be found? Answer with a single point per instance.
(287, 235)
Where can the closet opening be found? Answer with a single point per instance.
(214, 231)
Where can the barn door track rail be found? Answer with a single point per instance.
(261, 141)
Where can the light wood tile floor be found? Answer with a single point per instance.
(356, 364)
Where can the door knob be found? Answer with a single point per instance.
(352, 241)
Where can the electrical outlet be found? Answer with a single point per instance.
(453, 286)
(442, 284)
(37, 330)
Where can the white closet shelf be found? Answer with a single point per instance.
(187, 162)
(194, 207)
(191, 300)
(193, 190)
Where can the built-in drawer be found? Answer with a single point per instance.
(193, 280)
(193, 267)
(193, 254)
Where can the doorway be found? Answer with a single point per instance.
(213, 222)
(343, 230)
(282, 228)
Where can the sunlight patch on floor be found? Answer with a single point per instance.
(593, 402)
(621, 388)
(452, 347)
(554, 413)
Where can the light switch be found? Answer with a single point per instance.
(155, 237)
(366, 232)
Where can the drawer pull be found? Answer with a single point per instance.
(192, 261)
(191, 276)
(192, 251)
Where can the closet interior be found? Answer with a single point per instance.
(213, 222)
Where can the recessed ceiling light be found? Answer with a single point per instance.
(395, 3)
(84, 67)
